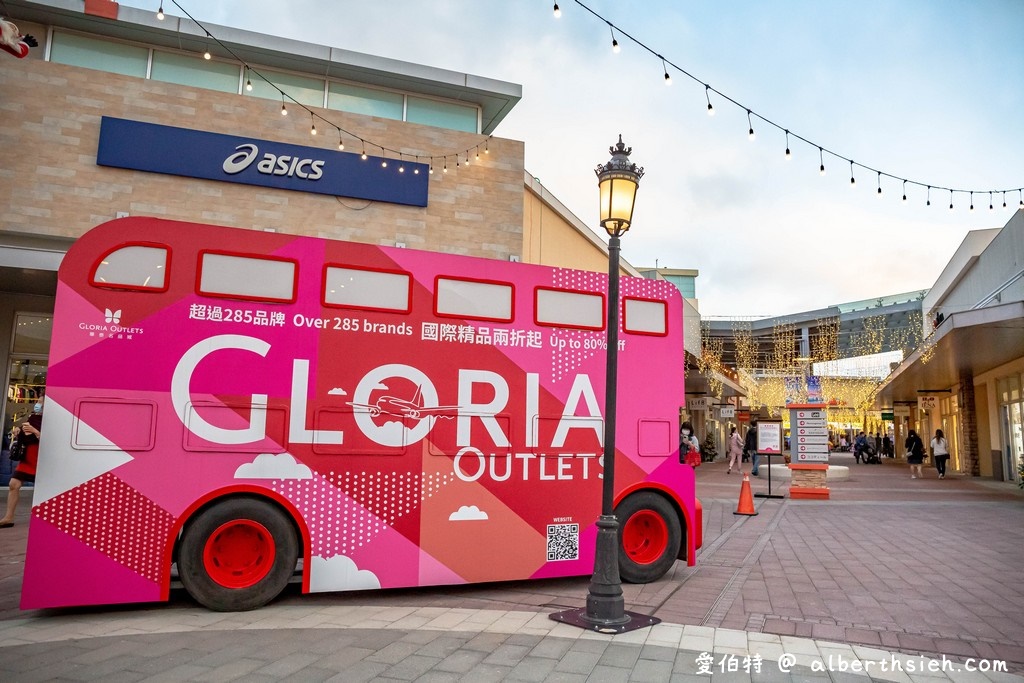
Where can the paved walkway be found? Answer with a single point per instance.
(893, 578)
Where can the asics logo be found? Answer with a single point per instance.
(271, 164)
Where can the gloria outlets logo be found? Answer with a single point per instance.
(110, 327)
(272, 164)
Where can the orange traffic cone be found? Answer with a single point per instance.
(746, 506)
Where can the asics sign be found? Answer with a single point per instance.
(273, 165)
(234, 159)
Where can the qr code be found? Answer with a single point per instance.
(563, 542)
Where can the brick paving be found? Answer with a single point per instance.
(888, 565)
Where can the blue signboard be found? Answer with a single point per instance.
(233, 159)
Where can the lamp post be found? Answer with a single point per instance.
(618, 181)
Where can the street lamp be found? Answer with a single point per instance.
(605, 611)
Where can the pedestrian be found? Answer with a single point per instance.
(689, 445)
(940, 451)
(859, 444)
(887, 446)
(735, 451)
(750, 445)
(915, 454)
(878, 443)
(25, 473)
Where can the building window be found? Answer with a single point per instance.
(182, 69)
(368, 101)
(301, 89)
(441, 114)
(118, 58)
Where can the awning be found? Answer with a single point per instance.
(968, 341)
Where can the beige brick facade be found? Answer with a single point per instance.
(50, 184)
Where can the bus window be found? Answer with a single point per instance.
(562, 308)
(252, 278)
(375, 290)
(654, 438)
(475, 299)
(140, 267)
(645, 316)
(135, 422)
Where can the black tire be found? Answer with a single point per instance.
(649, 537)
(237, 555)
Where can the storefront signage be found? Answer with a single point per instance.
(927, 402)
(901, 411)
(703, 403)
(728, 412)
(230, 158)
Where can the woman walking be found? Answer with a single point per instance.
(735, 451)
(940, 451)
(915, 454)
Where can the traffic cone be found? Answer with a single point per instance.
(746, 506)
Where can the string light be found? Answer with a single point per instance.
(990, 207)
(445, 165)
(615, 43)
(477, 151)
(206, 54)
(341, 143)
(1004, 199)
(853, 181)
(789, 155)
(972, 202)
(929, 202)
(312, 128)
(904, 190)
(160, 12)
(614, 30)
(431, 166)
(879, 184)
(401, 164)
(558, 12)
(363, 155)
(951, 200)
(487, 147)
(284, 110)
(750, 133)
(248, 81)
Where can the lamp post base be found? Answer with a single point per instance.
(630, 621)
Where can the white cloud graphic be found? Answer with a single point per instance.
(337, 391)
(339, 573)
(271, 466)
(467, 513)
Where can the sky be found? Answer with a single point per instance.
(926, 90)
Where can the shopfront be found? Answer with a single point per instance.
(1011, 423)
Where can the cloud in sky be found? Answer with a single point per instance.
(273, 466)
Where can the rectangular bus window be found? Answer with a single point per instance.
(129, 425)
(475, 299)
(645, 316)
(256, 278)
(354, 442)
(373, 290)
(227, 425)
(562, 308)
(655, 437)
(135, 266)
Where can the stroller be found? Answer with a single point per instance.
(870, 455)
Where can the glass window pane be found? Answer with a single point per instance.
(247, 277)
(470, 299)
(570, 309)
(195, 71)
(305, 90)
(69, 48)
(134, 266)
(32, 333)
(368, 101)
(645, 317)
(441, 114)
(358, 288)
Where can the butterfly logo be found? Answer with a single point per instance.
(112, 316)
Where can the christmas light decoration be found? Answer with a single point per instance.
(707, 93)
(821, 158)
(789, 155)
(750, 133)
(558, 12)
(160, 12)
(615, 43)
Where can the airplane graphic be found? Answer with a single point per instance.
(410, 408)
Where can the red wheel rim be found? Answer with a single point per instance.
(645, 537)
(239, 554)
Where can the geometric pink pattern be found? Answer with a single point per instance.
(114, 519)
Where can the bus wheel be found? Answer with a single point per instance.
(649, 537)
(237, 555)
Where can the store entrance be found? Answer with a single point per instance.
(26, 376)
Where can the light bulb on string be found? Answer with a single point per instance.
(951, 200)
(284, 110)
(668, 79)
(879, 193)
(972, 202)
(1004, 199)
(558, 13)
(341, 143)
(853, 181)
(821, 158)
(929, 202)
(467, 157)
(160, 12)
(707, 94)
(416, 168)
(477, 154)
(1020, 197)
(789, 155)
(750, 125)
(383, 160)
(904, 190)
(206, 52)
(990, 207)
(431, 171)
(401, 163)
(363, 155)
(615, 43)
(248, 81)
(312, 126)
(487, 148)
(445, 170)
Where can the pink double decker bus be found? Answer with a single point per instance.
(234, 409)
